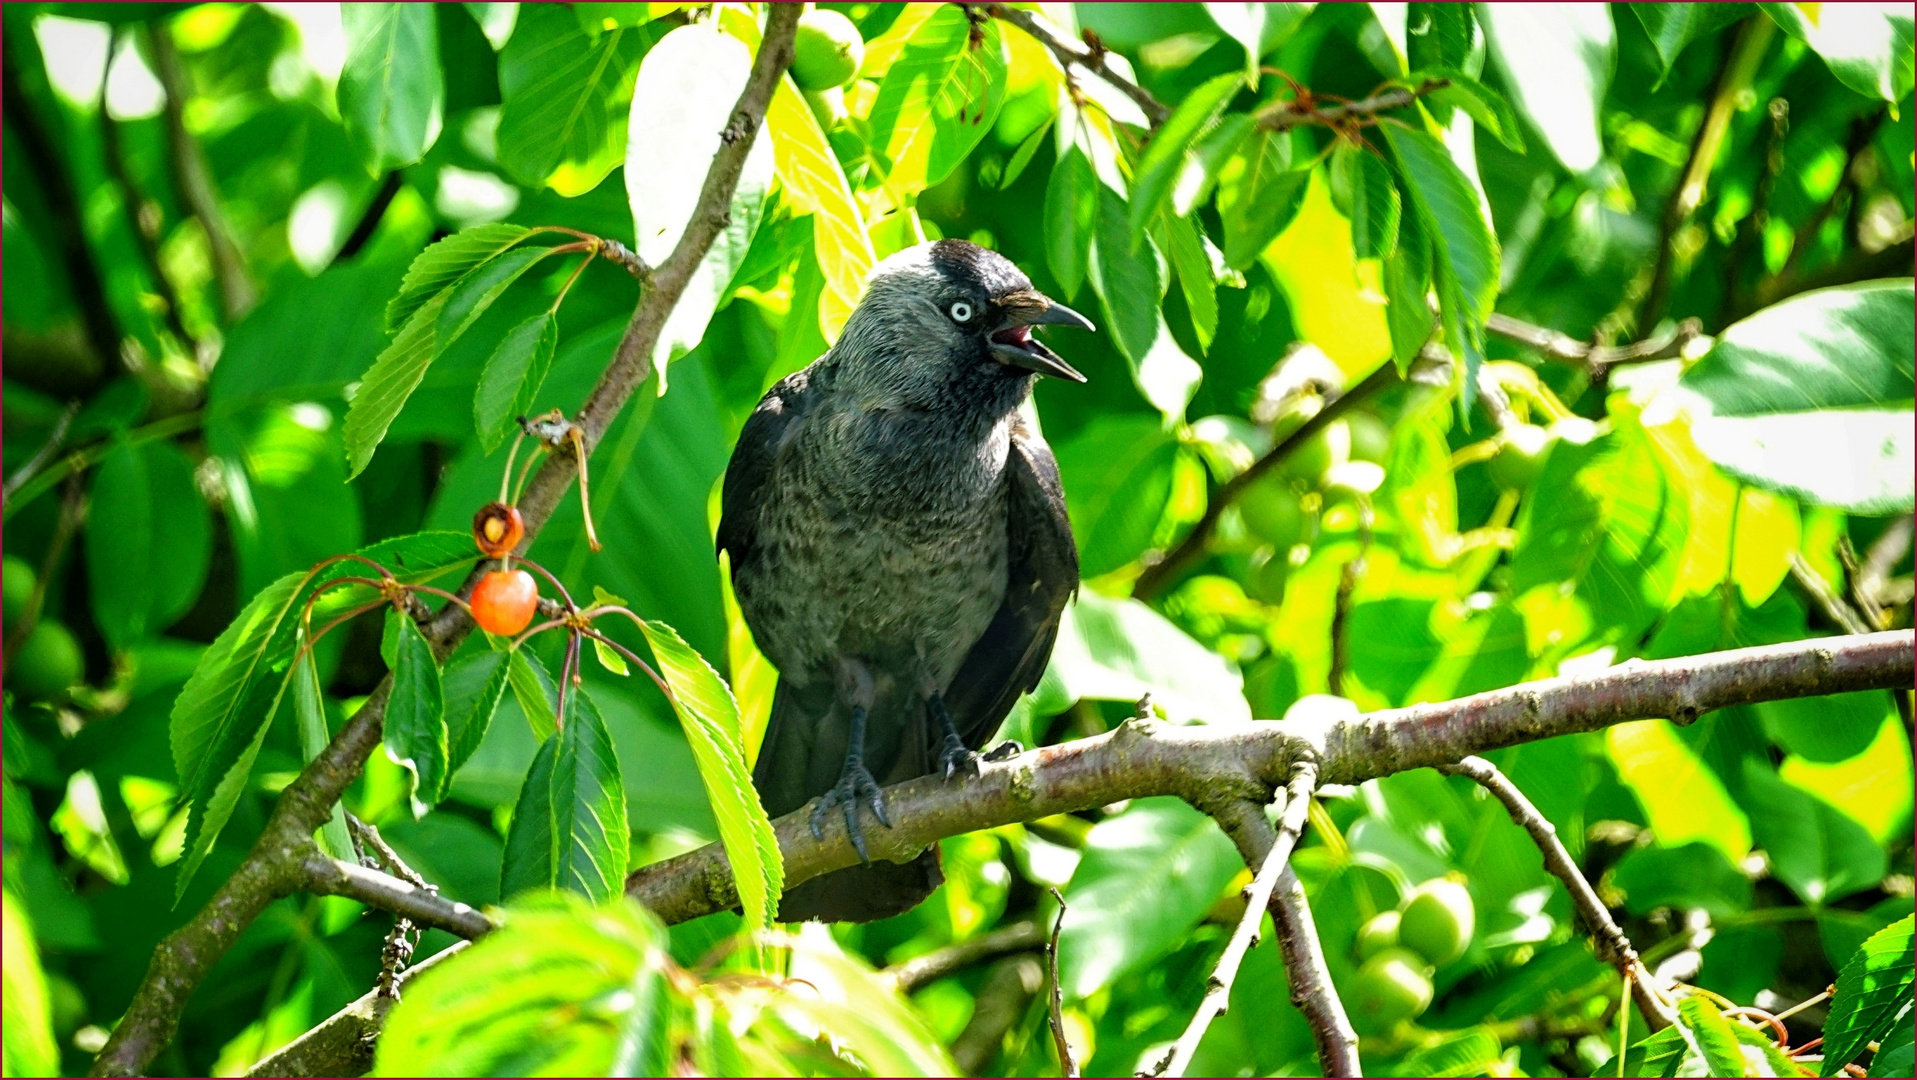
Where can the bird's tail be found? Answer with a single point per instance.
(801, 757)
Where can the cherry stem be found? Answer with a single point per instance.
(442, 592)
(306, 614)
(540, 629)
(505, 477)
(585, 500)
(313, 641)
(568, 671)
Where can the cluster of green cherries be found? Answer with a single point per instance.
(1398, 950)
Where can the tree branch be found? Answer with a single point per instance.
(273, 868)
(145, 226)
(1257, 898)
(1285, 115)
(332, 877)
(1055, 996)
(1606, 938)
(1310, 978)
(920, 971)
(369, 219)
(1161, 574)
(1597, 360)
(342, 1044)
(195, 179)
(1090, 58)
(1216, 764)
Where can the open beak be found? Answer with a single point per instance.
(1013, 344)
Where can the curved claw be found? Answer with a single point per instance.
(855, 785)
(957, 758)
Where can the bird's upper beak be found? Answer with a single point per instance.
(1013, 344)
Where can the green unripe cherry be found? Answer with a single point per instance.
(1379, 933)
(827, 51)
(1438, 920)
(19, 582)
(1370, 438)
(48, 662)
(1389, 989)
(1520, 460)
(1266, 582)
(1271, 510)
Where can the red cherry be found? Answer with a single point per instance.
(498, 528)
(504, 601)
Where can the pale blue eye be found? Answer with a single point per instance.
(961, 311)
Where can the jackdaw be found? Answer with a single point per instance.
(900, 550)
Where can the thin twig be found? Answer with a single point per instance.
(1867, 586)
(1285, 115)
(72, 508)
(922, 971)
(273, 868)
(368, 835)
(55, 439)
(1161, 574)
(328, 876)
(195, 178)
(1831, 604)
(369, 220)
(1070, 52)
(145, 226)
(1257, 899)
(1596, 360)
(1067, 1062)
(1609, 941)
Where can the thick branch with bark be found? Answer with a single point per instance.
(276, 865)
(331, 877)
(1213, 766)
(1612, 946)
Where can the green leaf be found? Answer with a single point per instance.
(1022, 156)
(222, 715)
(1683, 799)
(1407, 282)
(1362, 191)
(1831, 728)
(1166, 155)
(533, 689)
(609, 658)
(391, 89)
(1872, 990)
(1464, 250)
(710, 718)
(1129, 280)
(1442, 36)
(1258, 195)
(862, 1010)
(395, 374)
(816, 184)
(1119, 650)
(1475, 1052)
(28, 1033)
(1894, 1055)
(309, 705)
(148, 542)
(1867, 46)
(514, 374)
(1260, 28)
(1481, 103)
(1117, 475)
(938, 99)
(1112, 925)
(415, 728)
(681, 104)
(474, 687)
(1814, 847)
(467, 300)
(1723, 1053)
(1071, 211)
(440, 265)
(1673, 26)
(1691, 876)
(1207, 158)
(558, 990)
(1811, 398)
(1557, 60)
(561, 91)
(1657, 1055)
(569, 827)
(1197, 279)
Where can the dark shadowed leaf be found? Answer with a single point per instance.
(1118, 476)
(1814, 848)
(149, 538)
(569, 827)
(474, 687)
(1071, 209)
(1673, 26)
(1129, 280)
(559, 125)
(415, 729)
(1258, 195)
(1362, 190)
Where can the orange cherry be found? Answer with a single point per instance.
(505, 601)
(498, 528)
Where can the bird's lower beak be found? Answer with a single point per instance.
(1015, 347)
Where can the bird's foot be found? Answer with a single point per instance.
(855, 785)
(957, 758)
(1004, 751)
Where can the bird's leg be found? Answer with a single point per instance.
(856, 782)
(954, 756)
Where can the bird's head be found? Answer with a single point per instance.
(950, 313)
